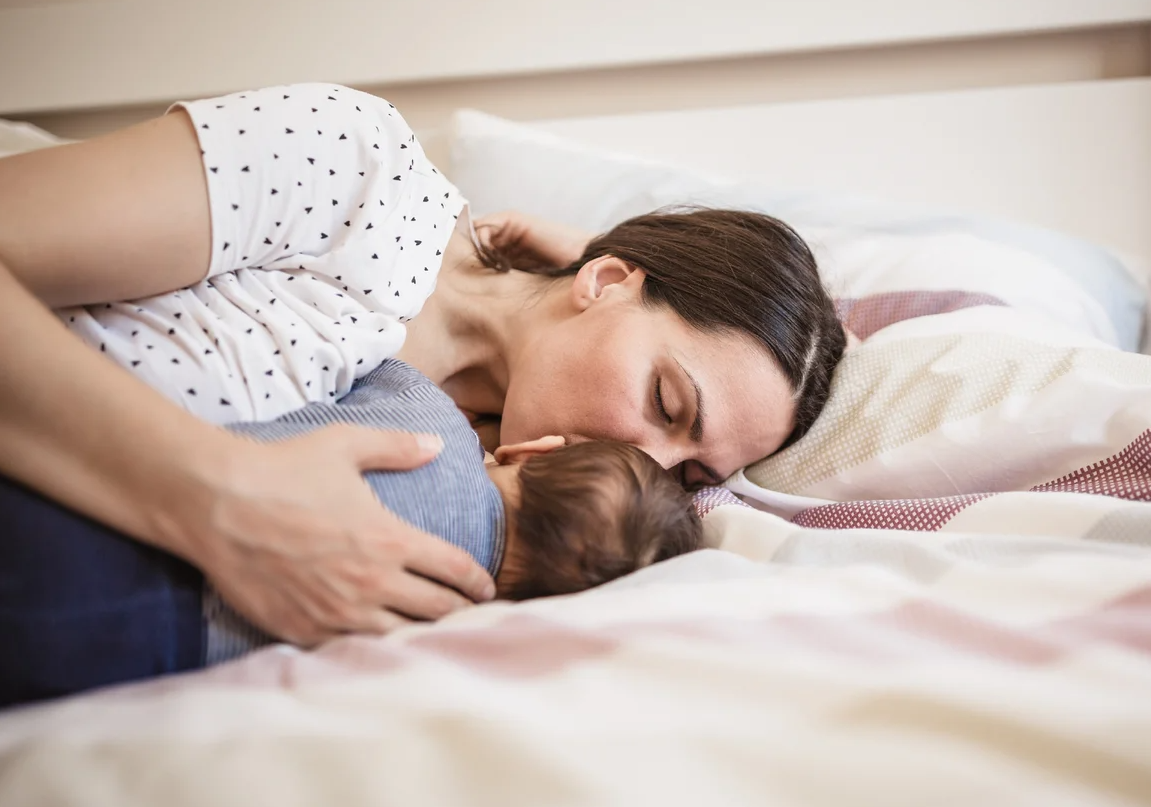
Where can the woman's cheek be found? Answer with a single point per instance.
(612, 409)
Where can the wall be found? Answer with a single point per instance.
(80, 67)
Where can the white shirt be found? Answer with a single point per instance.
(328, 230)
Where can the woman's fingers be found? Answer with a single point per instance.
(419, 598)
(537, 240)
(378, 450)
(378, 621)
(439, 561)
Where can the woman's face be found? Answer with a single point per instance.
(608, 368)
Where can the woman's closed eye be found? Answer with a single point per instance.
(660, 407)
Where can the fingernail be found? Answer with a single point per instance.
(432, 443)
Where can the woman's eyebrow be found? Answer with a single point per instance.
(696, 432)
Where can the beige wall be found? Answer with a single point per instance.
(80, 68)
(1001, 61)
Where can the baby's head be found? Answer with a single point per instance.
(584, 514)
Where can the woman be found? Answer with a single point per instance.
(704, 339)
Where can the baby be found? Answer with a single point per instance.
(543, 518)
(84, 606)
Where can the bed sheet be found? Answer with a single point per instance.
(870, 636)
(797, 666)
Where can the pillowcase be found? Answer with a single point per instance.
(864, 247)
(979, 400)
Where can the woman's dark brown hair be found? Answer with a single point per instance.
(592, 512)
(738, 271)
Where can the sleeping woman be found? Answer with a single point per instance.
(244, 256)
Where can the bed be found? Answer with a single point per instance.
(941, 595)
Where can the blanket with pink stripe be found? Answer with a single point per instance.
(942, 594)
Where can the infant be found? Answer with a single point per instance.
(82, 605)
(543, 518)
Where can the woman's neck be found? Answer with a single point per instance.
(468, 334)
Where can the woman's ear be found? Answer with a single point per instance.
(597, 275)
(521, 452)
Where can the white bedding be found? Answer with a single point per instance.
(985, 640)
(801, 667)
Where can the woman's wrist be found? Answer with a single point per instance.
(184, 490)
(91, 436)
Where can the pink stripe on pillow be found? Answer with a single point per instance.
(887, 514)
(1126, 475)
(864, 316)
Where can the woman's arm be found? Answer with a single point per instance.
(288, 532)
(114, 218)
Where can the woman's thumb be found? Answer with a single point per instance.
(379, 450)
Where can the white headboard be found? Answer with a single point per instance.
(1073, 157)
(1032, 109)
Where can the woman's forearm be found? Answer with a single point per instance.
(86, 433)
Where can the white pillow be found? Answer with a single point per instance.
(17, 137)
(864, 247)
(974, 401)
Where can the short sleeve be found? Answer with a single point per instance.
(291, 169)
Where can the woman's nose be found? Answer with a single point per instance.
(667, 456)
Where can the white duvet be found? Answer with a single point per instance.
(942, 596)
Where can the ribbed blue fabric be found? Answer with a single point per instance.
(451, 497)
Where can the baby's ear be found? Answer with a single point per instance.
(521, 452)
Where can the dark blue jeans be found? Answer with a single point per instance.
(83, 606)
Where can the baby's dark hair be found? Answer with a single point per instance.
(592, 512)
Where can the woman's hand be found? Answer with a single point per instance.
(527, 241)
(289, 532)
(297, 543)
